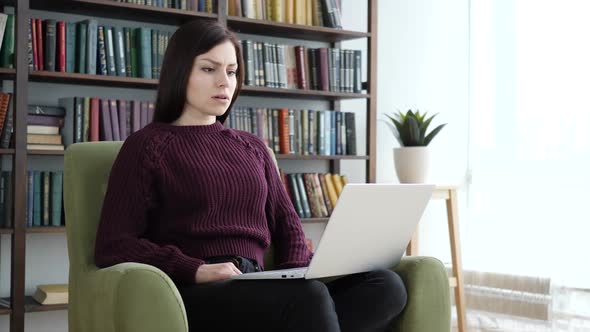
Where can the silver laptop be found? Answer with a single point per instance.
(369, 229)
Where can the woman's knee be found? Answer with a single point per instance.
(315, 293)
(393, 288)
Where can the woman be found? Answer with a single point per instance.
(203, 203)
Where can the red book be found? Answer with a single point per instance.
(301, 70)
(94, 119)
(61, 46)
(323, 69)
(40, 43)
(34, 43)
(284, 130)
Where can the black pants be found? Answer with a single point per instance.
(356, 303)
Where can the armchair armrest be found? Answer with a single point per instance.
(139, 297)
(429, 303)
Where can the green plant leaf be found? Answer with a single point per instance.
(433, 133)
(425, 124)
(414, 131)
(395, 132)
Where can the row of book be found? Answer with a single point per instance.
(304, 132)
(300, 67)
(314, 195)
(324, 13)
(44, 199)
(205, 6)
(87, 47)
(7, 40)
(85, 119)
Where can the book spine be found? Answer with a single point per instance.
(70, 47)
(61, 46)
(56, 197)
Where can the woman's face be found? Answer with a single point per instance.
(212, 82)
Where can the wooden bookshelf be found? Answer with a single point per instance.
(295, 31)
(318, 157)
(45, 153)
(121, 10)
(108, 9)
(95, 80)
(33, 306)
(7, 73)
(46, 229)
(145, 83)
(6, 151)
(314, 220)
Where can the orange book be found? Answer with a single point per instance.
(337, 184)
(331, 189)
(325, 195)
(284, 131)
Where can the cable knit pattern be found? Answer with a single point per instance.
(179, 194)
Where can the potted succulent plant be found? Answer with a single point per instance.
(411, 159)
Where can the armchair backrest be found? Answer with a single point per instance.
(86, 172)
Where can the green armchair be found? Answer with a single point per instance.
(137, 297)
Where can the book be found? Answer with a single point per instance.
(51, 294)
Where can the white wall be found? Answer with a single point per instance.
(423, 64)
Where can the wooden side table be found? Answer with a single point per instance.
(449, 194)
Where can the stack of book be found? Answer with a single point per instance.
(90, 119)
(205, 6)
(44, 199)
(89, 48)
(325, 13)
(43, 127)
(303, 132)
(301, 67)
(313, 195)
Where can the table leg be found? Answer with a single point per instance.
(452, 214)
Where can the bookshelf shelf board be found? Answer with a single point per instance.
(294, 93)
(6, 151)
(121, 10)
(87, 79)
(295, 31)
(319, 157)
(146, 83)
(45, 153)
(314, 220)
(7, 73)
(46, 229)
(6, 231)
(32, 306)
(5, 309)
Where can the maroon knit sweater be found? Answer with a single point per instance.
(179, 194)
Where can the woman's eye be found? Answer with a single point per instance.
(207, 70)
(231, 73)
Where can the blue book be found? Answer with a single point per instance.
(56, 197)
(37, 198)
(30, 193)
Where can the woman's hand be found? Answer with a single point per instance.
(215, 272)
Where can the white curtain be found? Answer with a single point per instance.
(529, 156)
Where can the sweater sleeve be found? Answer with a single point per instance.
(123, 221)
(287, 234)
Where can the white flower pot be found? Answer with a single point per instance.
(412, 164)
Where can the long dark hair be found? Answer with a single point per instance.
(189, 41)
